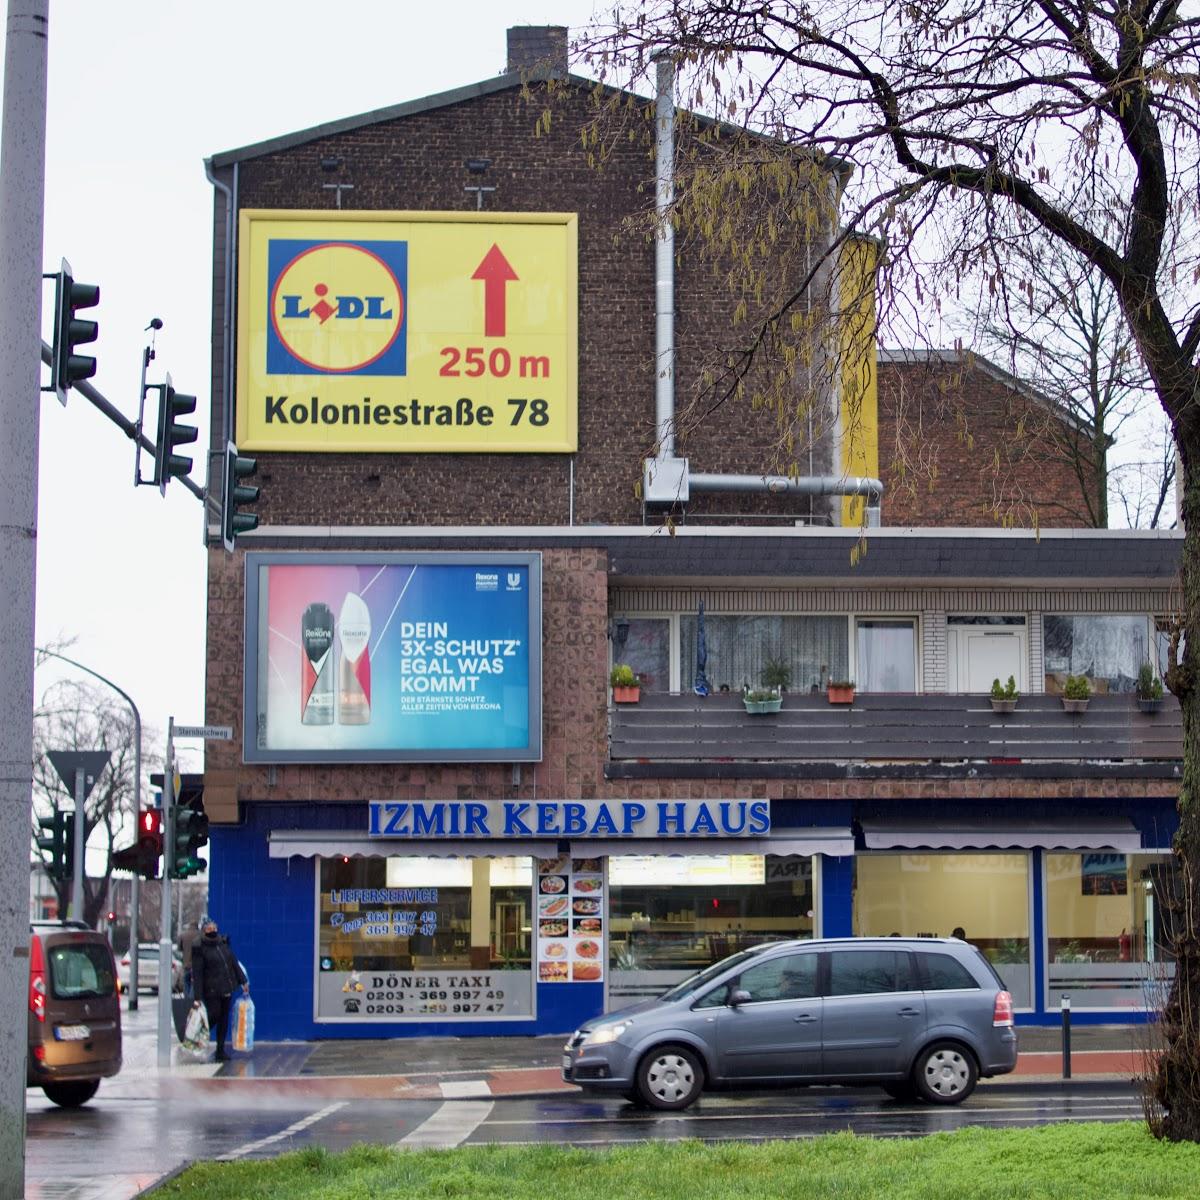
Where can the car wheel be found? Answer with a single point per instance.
(71, 1095)
(902, 1091)
(670, 1077)
(945, 1073)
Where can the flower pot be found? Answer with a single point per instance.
(763, 706)
(626, 695)
(1074, 706)
(1150, 705)
(1004, 706)
(840, 695)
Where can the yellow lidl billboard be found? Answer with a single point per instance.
(407, 332)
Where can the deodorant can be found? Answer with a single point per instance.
(316, 665)
(354, 690)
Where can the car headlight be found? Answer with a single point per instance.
(606, 1033)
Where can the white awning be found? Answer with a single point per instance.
(325, 843)
(796, 841)
(984, 834)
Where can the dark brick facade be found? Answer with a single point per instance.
(417, 162)
(961, 446)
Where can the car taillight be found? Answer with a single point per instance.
(37, 994)
(37, 979)
(1002, 1013)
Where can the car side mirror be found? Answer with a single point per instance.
(739, 996)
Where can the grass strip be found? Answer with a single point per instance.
(1054, 1162)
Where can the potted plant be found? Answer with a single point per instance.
(1076, 694)
(1149, 689)
(762, 700)
(840, 691)
(1004, 696)
(625, 686)
(777, 674)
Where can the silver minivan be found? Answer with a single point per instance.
(923, 1018)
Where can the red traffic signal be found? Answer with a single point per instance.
(142, 858)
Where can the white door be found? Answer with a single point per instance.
(986, 654)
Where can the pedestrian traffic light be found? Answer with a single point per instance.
(142, 857)
(191, 832)
(235, 494)
(171, 433)
(58, 842)
(66, 367)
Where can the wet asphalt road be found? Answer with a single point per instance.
(139, 1128)
(120, 1133)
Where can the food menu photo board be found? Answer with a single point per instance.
(570, 919)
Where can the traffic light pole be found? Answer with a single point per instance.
(165, 943)
(77, 905)
(22, 191)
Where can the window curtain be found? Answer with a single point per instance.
(815, 648)
(1108, 650)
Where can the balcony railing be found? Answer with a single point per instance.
(892, 729)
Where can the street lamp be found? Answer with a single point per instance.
(134, 895)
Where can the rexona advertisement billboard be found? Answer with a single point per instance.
(407, 332)
(393, 657)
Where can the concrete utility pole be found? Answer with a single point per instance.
(22, 192)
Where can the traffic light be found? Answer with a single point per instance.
(66, 367)
(142, 857)
(59, 843)
(171, 433)
(191, 832)
(234, 494)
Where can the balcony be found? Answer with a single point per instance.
(900, 735)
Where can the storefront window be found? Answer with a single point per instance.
(931, 895)
(814, 649)
(1108, 650)
(887, 656)
(672, 916)
(644, 643)
(424, 939)
(1108, 936)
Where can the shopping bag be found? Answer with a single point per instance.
(195, 1031)
(241, 1024)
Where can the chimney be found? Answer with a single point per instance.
(537, 49)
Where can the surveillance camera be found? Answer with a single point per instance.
(477, 166)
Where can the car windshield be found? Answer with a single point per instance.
(79, 971)
(702, 977)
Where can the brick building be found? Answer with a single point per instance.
(963, 442)
(433, 819)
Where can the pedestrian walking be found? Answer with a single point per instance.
(216, 975)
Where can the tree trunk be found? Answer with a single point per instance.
(1176, 1086)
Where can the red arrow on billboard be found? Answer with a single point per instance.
(495, 271)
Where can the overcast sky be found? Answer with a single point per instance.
(140, 93)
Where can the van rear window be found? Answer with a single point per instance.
(81, 970)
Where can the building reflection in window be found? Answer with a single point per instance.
(672, 916)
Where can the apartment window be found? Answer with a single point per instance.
(815, 649)
(887, 655)
(644, 643)
(1107, 649)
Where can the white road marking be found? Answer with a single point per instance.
(462, 1089)
(449, 1126)
(1132, 1106)
(294, 1128)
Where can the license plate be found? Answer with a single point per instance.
(566, 1064)
(72, 1033)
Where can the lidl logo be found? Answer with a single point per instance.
(337, 308)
